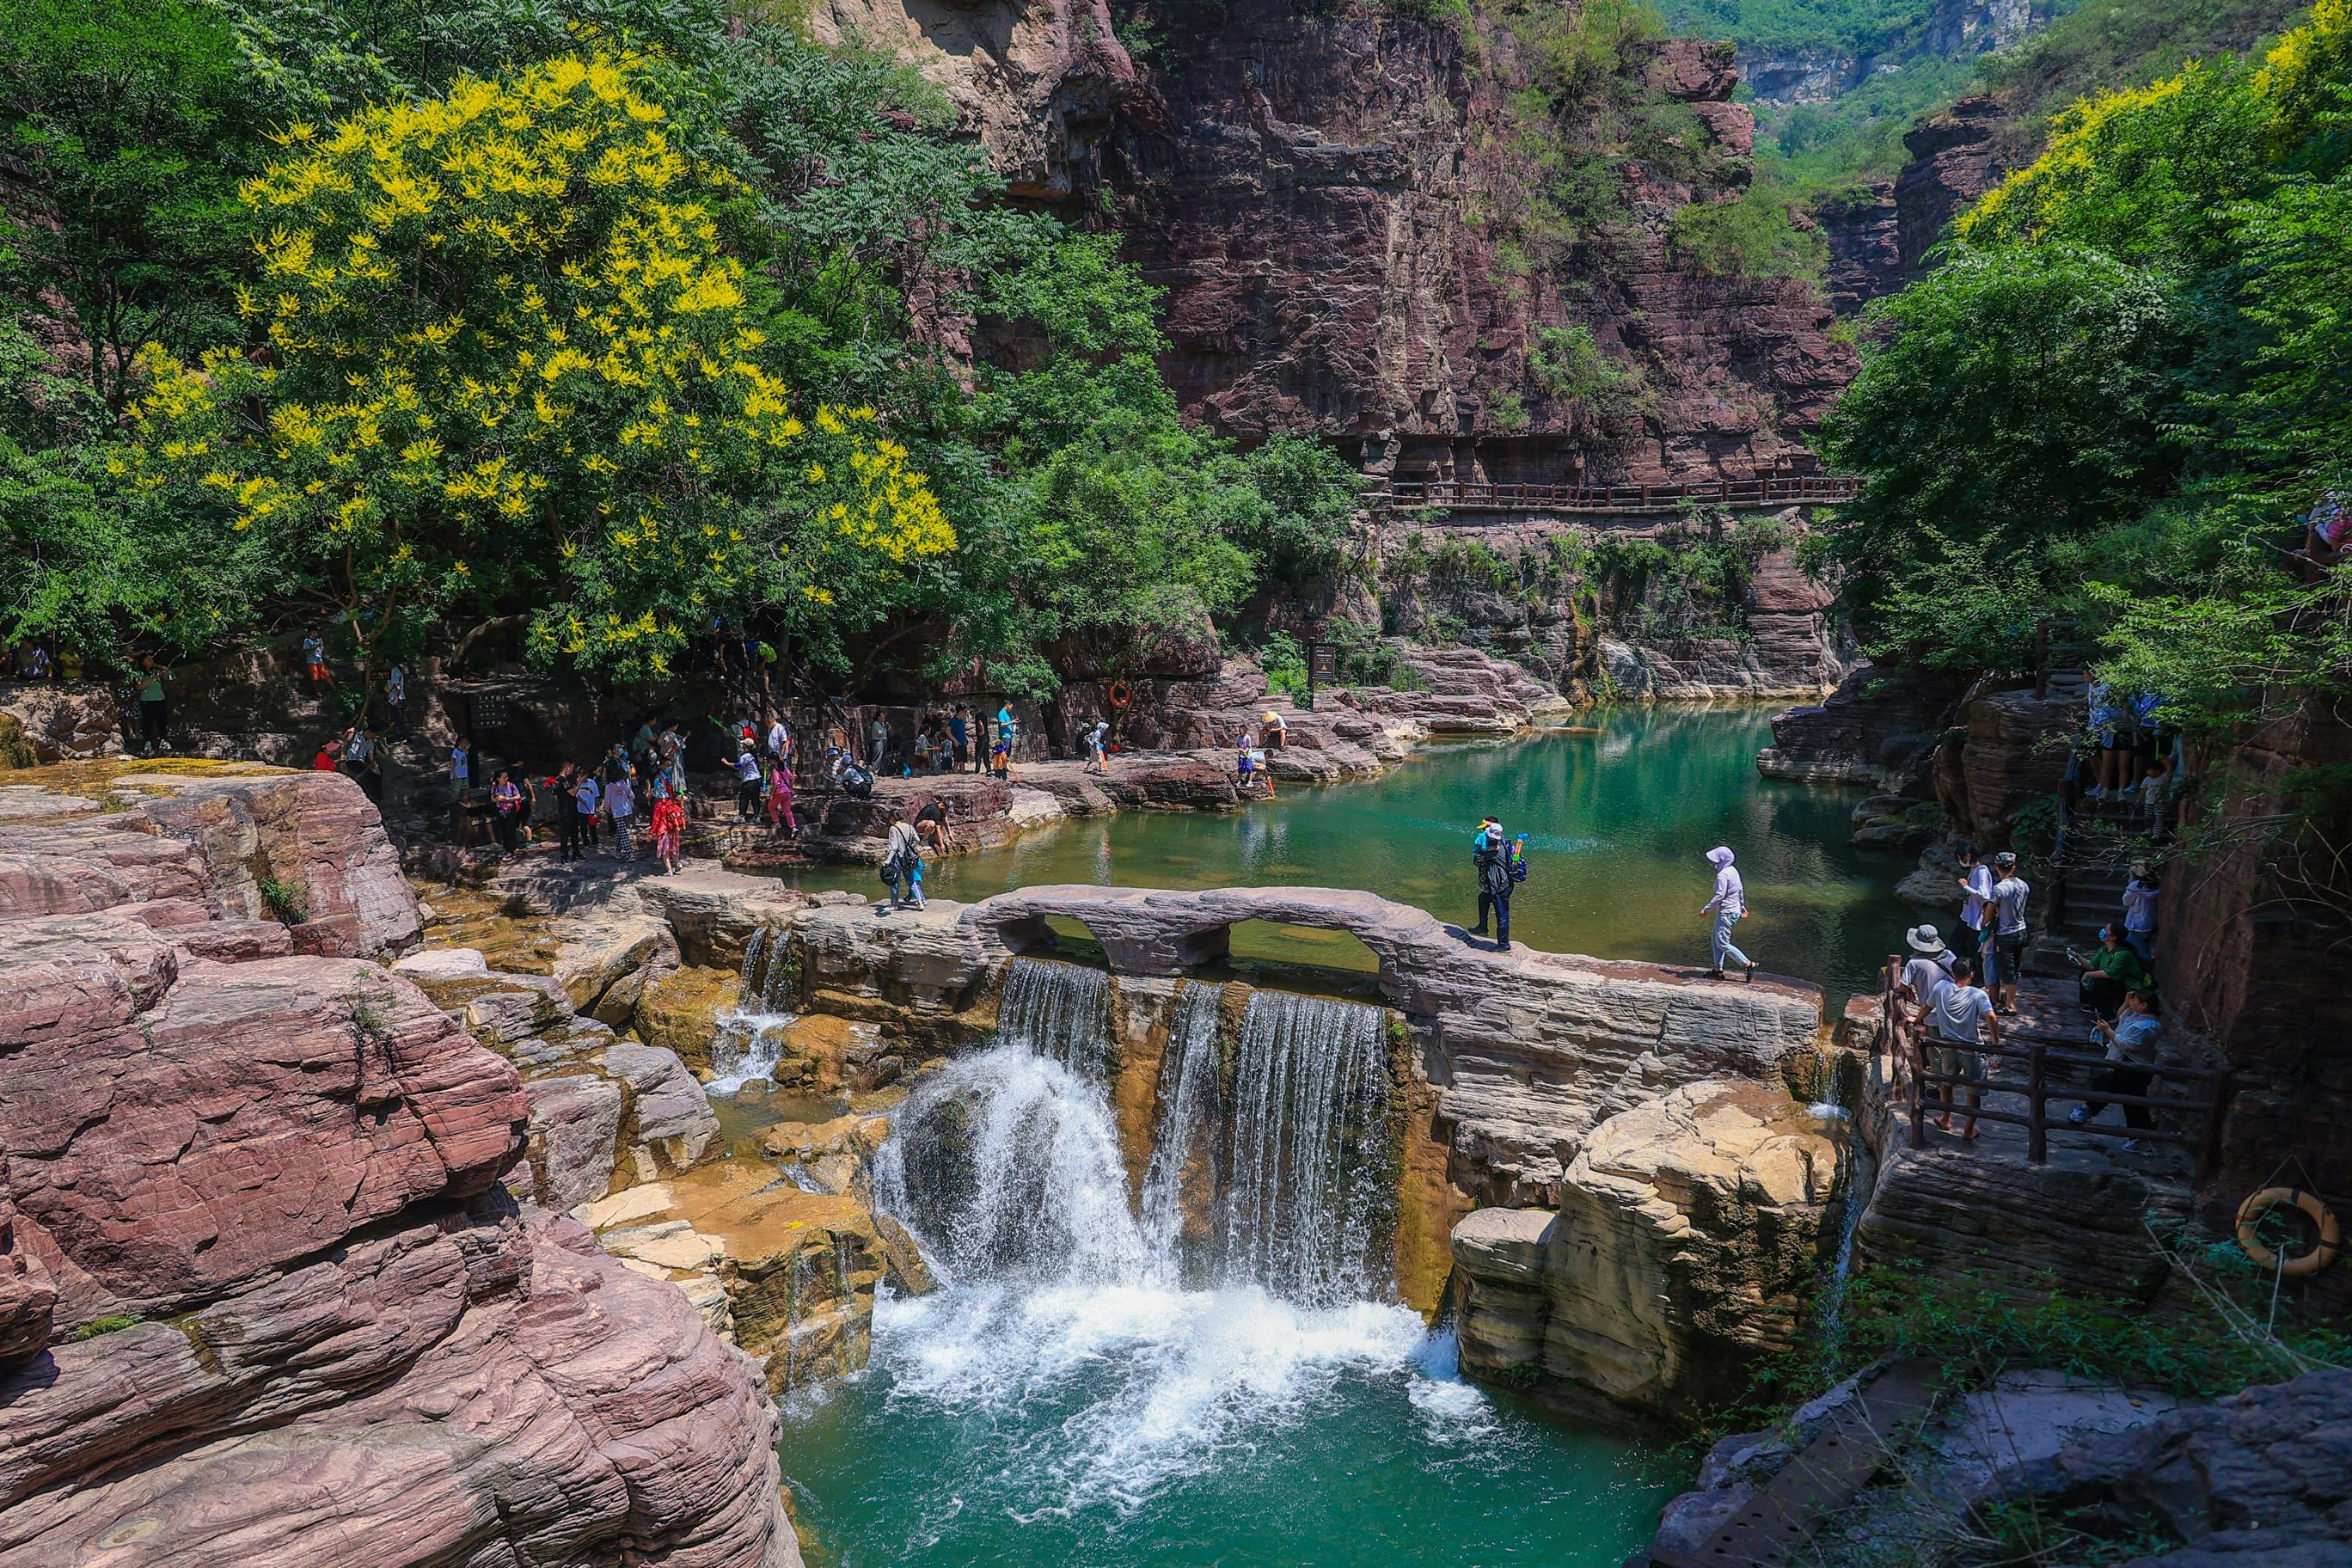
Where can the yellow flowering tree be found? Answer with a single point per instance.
(507, 357)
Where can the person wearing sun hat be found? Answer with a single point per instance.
(1275, 729)
(1929, 966)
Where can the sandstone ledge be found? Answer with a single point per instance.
(261, 1294)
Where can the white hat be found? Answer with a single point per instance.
(1924, 938)
(1720, 856)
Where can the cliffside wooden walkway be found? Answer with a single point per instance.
(1627, 500)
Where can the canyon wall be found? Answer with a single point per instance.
(1330, 198)
(261, 1293)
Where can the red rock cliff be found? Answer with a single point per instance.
(1318, 191)
(260, 1301)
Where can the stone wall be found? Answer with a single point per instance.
(261, 1294)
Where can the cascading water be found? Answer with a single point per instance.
(1267, 1184)
(1059, 1011)
(1305, 1207)
(749, 1042)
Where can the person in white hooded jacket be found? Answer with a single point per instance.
(1730, 907)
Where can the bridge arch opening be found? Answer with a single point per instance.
(1321, 959)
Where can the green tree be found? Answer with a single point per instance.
(132, 124)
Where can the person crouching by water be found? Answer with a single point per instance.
(1730, 907)
(902, 865)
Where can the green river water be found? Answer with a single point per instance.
(1078, 1424)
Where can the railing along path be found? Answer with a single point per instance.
(1618, 500)
(2207, 1089)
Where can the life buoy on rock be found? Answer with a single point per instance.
(2249, 1220)
(1119, 694)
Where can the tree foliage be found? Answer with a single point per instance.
(624, 315)
(2111, 405)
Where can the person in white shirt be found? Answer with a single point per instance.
(881, 752)
(2010, 937)
(1976, 907)
(747, 786)
(1929, 966)
(1095, 737)
(2140, 896)
(586, 796)
(1955, 1012)
(1730, 907)
(779, 738)
(621, 802)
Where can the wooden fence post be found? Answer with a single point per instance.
(2209, 1156)
(2037, 1132)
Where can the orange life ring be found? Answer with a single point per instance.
(1119, 695)
(2250, 1216)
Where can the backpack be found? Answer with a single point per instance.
(1515, 862)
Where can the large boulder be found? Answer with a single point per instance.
(1688, 1233)
(261, 1293)
(63, 721)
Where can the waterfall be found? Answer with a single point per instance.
(1006, 1165)
(1059, 1011)
(750, 1036)
(1271, 1163)
(1190, 1116)
(1306, 1206)
(1133, 1344)
(747, 979)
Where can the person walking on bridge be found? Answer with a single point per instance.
(1730, 907)
(1499, 874)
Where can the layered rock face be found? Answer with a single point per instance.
(61, 720)
(1878, 730)
(261, 1294)
(1506, 586)
(2244, 956)
(1319, 193)
(1956, 156)
(1034, 84)
(1681, 1251)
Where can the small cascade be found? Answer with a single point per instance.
(1186, 1143)
(746, 1049)
(1058, 1011)
(748, 977)
(1306, 1207)
(1007, 1164)
(1861, 1177)
(749, 1038)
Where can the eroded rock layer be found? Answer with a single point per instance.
(261, 1296)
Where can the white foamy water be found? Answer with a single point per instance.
(745, 1048)
(1147, 1386)
(1064, 1329)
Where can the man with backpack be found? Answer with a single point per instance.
(1502, 865)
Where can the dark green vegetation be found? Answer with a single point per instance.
(2110, 406)
(712, 378)
(1585, 119)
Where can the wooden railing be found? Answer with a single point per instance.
(1777, 489)
(2208, 1097)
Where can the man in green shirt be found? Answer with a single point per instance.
(2111, 973)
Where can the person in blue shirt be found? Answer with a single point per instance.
(2134, 1041)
